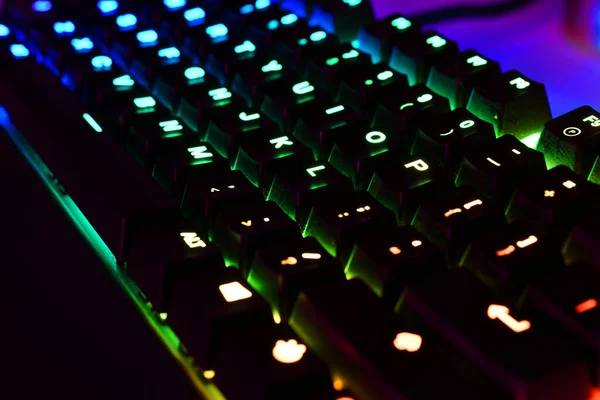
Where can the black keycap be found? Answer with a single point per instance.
(97, 70)
(115, 94)
(140, 42)
(401, 182)
(233, 57)
(177, 158)
(447, 137)
(238, 231)
(455, 76)
(210, 304)
(570, 297)
(515, 254)
(414, 57)
(211, 187)
(200, 103)
(377, 354)
(513, 103)
(179, 23)
(203, 39)
(378, 38)
(172, 80)
(455, 217)
(265, 27)
(359, 88)
(50, 33)
(301, 44)
(351, 151)
(286, 102)
(389, 259)
(160, 252)
(77, 52)
(583, 239)
(344, 18)
(557, 198)
(260, 76)
(287, 265)
(337, 220)
(495, 169)
(262, 153)
(326, 69)
(317, 128)
(403, 108)
(146, 65)
(296, 187)
(500, 338)
(142, 111)
(271, 363)
(572, 140)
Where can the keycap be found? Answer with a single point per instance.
(145, 66)
(78, 51)
(401, 182)
(515, 254)
(172, 82)
(295, 187)
(97, 68)
(557, 198)
(114, 95)
(495, 169)
(403, 108)
(232, 57)
(572, 140)
(350, 151)
(283, 267)
(318, 127)
(203, 39)
(414, 57)
(337, 220)
(454, 217)
(454, 77)
(177, 158)
(178, 22)
(499, 337)
(138, 43)
(239, 231)
(267, 24)
(286, 102)
(344, 18)
(298, 45)
(142, 111)
(378, 37)
(270, 363)
(260, 76)
(513, 103)
(110, 199)
(261, 154)
(360, 87)
(160, 252)
(570, 297)
(389, 259)
(49, 33)
(325, 69)
(209, 305)
(201, 102)
(583, 239)
(448, 137)
(379, 355)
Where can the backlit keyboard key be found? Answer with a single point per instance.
(503, 341)
(454, 77)
(139, 42)
(299, 45)
(378, 38)
(337, 220)
(513, 103)
(211, 304)
(161, 252)
(235, 56)
(378, 354)
(289, 264)
(583, 239)
(344, 18)
(496, 168)
(146, 65)
(389, 259)
(414, 57)
(515, 254)
(455, 217)
(261, 76)
(572, 140)
(448, 136)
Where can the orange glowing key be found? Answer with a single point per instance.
(501, 313)
(473, 204)
(407, 341)
(586, 305)
(395, 250)
(527, 242)
(288, 352)
(452, 212)
(506, 251)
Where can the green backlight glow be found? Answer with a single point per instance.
(303, 88)
(332, 61)
(532, 141)
(369, 82)
(72, 211)
(351, 54)
(401, 23)
(88, 118)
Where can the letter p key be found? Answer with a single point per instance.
(419, 165)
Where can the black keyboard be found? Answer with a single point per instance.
(310, 203)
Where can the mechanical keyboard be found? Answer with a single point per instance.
(306, 202)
